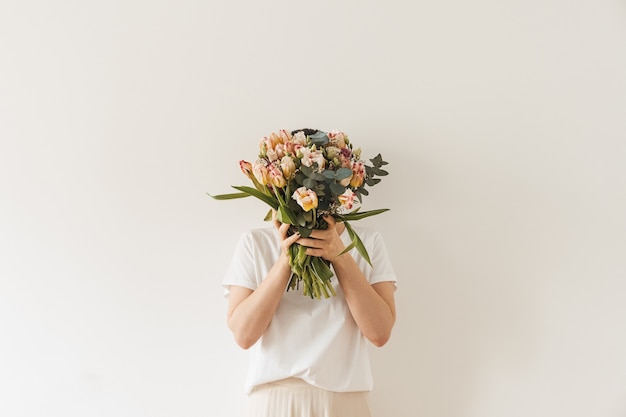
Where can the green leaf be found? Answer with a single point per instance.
(228, 196)
(362, 215)
(322, 270)
(308, 171)
(343, 173)
(285, 215)
(309, 183)
(379, 171)
(329, 174)
(356, 240)
(337, 188)
(268, 216)
(271, 201)
(319, 138)
(304, 231)
(378, 161)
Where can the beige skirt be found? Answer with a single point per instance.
(293, 397)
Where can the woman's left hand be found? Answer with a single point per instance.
(327, 243)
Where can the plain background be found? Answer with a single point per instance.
(504, 123)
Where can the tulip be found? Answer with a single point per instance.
(260, 173)
(280, 150)
(288, 166)
(246, 168)
(289, 147)
(271, 155)
(337, 138)
(309, 157)
(284, 136)
(347, 199)
(299, 139)
(358, 174)
(307, 199)
(276, 177)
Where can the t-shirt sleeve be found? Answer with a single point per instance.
(382, 268)
(241, 270)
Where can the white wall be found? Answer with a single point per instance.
(504, 125)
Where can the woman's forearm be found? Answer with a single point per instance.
(250, 312)
(372, 307)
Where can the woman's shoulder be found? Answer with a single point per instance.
(259, 234)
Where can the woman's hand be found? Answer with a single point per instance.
(327, 243)
(285, 240)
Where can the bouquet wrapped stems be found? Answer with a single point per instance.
(314, 273)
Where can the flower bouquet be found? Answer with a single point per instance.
(305, 175)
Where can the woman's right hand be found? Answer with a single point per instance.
(285, 240)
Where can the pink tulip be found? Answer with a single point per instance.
(288, 166)
(347, 199)
(284, 135)
(358, 174)
(337, 138)
(276, 177)
(260, 173)
(246, 168)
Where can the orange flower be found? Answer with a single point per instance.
(307, 199)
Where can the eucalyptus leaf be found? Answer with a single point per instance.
(343, 173)
(319, 138)
(329, 174)
(308, 171)
(337, 188)
(309, 183)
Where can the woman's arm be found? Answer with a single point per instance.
(250, 312)
(372, 306)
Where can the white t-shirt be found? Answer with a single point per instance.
(315, 340)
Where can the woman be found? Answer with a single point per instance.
(309, 357)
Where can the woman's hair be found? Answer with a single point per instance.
(307, 132)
